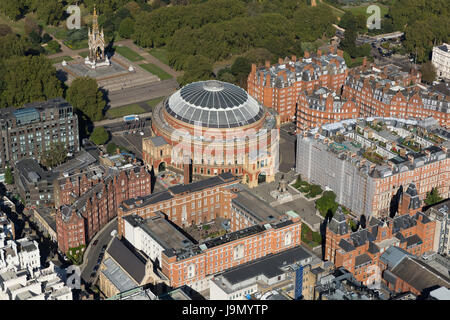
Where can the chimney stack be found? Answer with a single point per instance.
(294, 58)
(253, 68)
(306, 54)
(187, 170)
(319, 52)
(280, 60)
(267, 64)
(340, 53)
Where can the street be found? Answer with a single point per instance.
(92, 252)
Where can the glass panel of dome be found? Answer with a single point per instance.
(213, 119)
(246, 113)
(196, 115)
(239, 116)
(221, 101)
(222, 118)
(231, 118)
(204, 117)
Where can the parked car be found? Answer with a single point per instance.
(95, 243)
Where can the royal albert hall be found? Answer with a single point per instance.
(214, 127)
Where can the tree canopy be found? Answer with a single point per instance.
(54, 155)
(99, 136)
(85, 96)
(433, 197)
(34, 75)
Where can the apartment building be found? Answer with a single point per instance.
(441, 60)
(88, 200)
(278, 86)
(367, 162)
(440, 214)
(323, 106)
(390, 92)
(359, 252)
(29, 131)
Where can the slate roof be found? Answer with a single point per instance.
(270, 266)
(362, 259)
(346, 246)
(158, 141)
(127, 260)
(419, 275)
(413, 240)
(393, 255)
(203, 184)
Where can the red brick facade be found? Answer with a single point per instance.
(359, 252)
(279, 86)
(95, 203)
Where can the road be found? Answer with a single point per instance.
(92, 252)
(287, 148)
(142, 93)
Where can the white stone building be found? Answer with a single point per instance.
(44, 284)
(19, 254)
(441, 60)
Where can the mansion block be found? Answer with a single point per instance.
(319, 89)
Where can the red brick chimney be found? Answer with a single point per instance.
(340, 53)
(306, 54)
(267, 65)
(253, 68)
(280, 60)
(187, 170)
(294, 58)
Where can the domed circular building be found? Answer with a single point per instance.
(214, 127)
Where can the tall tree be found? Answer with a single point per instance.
(99, 135)
(34, 75)
(432, 197)
(9, 178)
(54, 155)
(428, 72)
(87, 98)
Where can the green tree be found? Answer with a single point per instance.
(53, 46)
(12, 45)
(34, 75)
(432, 197)
(54, 155)
(9, 178)
(111, 148)
(5, 29)
(428, 72)
(198, 68)
(126, 28)
(87, 99)
(327, 202)
(240, 70)
(99, 136)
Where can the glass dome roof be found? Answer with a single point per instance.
(214, 104)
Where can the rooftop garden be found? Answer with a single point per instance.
(372, 156)
(309, 237)
(75, 255)
(376, 126)
(411, 144)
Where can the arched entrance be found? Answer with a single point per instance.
(162, 167)
(261, 177)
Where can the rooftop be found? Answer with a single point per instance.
(269, 266)
(214, 104)
(161, 230)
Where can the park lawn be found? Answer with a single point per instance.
(152, 103)
(128, 53)
(363, 9)
(150, 67)
(160, 54)
(311, 238)
(84, 54)
(60, 59)
(77, 45)
(114, 113)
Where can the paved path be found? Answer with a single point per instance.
(142, 93)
